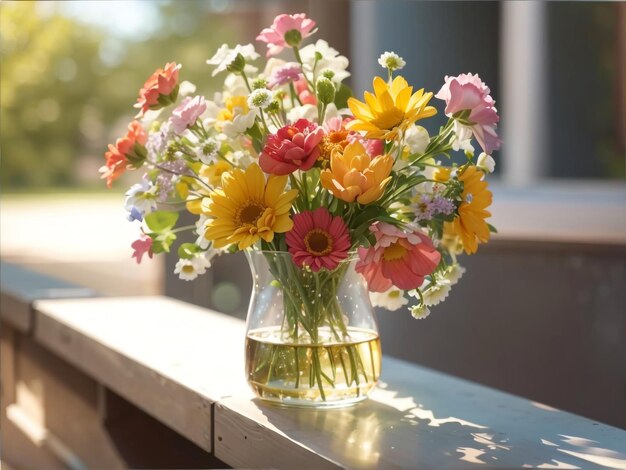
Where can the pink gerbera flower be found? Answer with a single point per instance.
(286, 31)
(398, 258)
(318, 240)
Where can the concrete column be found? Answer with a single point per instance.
(523, 46)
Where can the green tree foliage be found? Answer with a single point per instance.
(67, 88)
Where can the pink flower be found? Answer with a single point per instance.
(143, 245)
(289, 72)
(374, 147)
(398, 259)
(292, 148)
(286, 31)
(468, 92)
(158, 88)
(318, 240)
(304, 94)
(186, 114)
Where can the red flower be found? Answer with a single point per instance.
(117, 158)
(318, 240)
(160, 88)
(291, 148)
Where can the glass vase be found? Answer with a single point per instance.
(311, 338)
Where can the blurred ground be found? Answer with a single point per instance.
(81, 238)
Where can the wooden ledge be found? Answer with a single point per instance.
(417, 418)
(169, 358)
(184, 365)
(19, 287)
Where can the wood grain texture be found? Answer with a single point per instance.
(171, 359)
(19, 287)
(417, 418)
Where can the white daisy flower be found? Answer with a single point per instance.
(419, 311)
(331, 60)
(189, 269)
(391, 61)
(486, 163)
(391, 299)
(141, 197)
(260, 98)
(186, 269)
(225, 56)
(436, 293)
(454, 273)
(207, 151)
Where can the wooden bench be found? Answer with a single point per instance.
(183, 365)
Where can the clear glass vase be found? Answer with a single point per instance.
(312, 338)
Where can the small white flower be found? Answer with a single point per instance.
(462, 138)
(391, 299)
(309, 112)
(436, 293)
(417, 139)
(240, 123)
(186, 88)
(201, 223)
(330, 60)
(486, 163)
(141, 196)
(419, 311)
(225, 56)
(189, 269)
(207, 150)
(454, 273)
(260, 98)
(240, 158)
(391, 61)
(186, 269)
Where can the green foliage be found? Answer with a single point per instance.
(161, 221)
(68, 88)
(188, 250)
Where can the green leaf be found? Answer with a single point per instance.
(341, 96)
(161, 221)
(188, 250)
(163, 242)
(492, 229)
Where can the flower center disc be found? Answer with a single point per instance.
(318, 242)
(393, 252)
(250, 213)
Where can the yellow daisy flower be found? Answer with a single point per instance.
(470, 224)
(391, 108)
(247, 208)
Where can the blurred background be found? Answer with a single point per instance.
(541, 311)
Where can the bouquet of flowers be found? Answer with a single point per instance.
(283, 159)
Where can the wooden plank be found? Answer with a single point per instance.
(19, 287)
(169, 358)
(417, 418)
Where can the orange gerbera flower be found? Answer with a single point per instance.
(353, 175)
